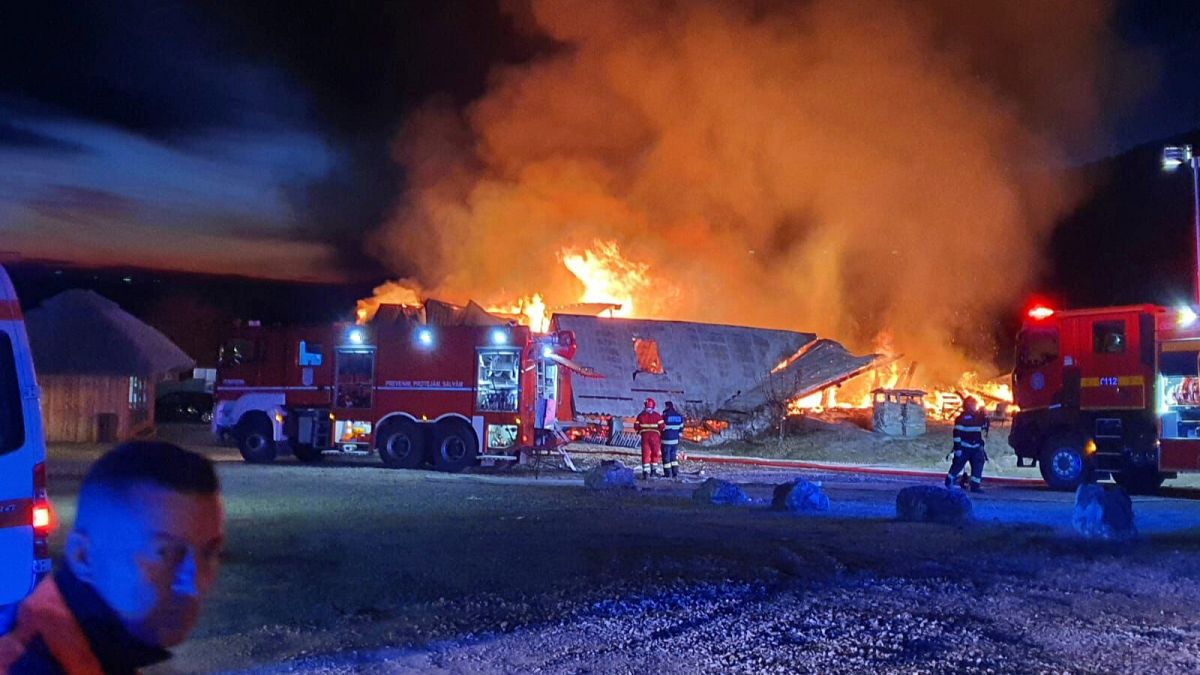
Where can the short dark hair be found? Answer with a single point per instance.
(156, 463)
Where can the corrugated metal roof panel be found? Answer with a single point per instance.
(704, 365)
(823, 364)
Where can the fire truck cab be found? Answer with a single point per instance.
(416, 394)
(1110, 391)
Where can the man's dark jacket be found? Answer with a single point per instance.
(65, 627)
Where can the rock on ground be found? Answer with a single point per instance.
(799, 495)
(932, 504)
(717, 491)
(1103, 514)
(610, 473)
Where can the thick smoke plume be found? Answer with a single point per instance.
(850, 168)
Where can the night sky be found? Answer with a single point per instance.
(221, 137)
(255, 138)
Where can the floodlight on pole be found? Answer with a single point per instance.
(1173, 156)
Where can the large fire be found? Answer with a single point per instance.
(942, 401)
(608, 279)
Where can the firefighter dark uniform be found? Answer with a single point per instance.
(672, 430)
(64, 626)
(649, 425)
(970, 428)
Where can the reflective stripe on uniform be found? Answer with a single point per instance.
(968, 429)
(670, 441)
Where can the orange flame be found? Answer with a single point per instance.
(400, 292)
(607, 276)
(528, 311)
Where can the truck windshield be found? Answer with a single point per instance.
(12, 422)
(1036, 347)
(355, 374)
(498, 379)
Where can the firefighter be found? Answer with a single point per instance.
(139, 562)
(672, 429)
(970, 429)
(650, 426)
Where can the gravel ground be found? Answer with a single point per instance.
(349, 567)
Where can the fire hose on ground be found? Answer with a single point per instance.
(761, 462)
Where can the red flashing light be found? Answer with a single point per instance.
(1040, 313)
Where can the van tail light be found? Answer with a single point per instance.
(43, 514)
(41, 518)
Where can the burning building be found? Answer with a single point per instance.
(718, 373)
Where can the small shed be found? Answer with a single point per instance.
(97, 366)
(898, 412)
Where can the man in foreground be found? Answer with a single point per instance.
(139, 562)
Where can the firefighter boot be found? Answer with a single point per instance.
(674, 471)
(949, 480)
(976, 487)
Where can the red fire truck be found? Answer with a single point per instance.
(417, 394)
(1111, 391)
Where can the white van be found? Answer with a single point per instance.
(24, 508)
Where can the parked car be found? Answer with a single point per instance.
(184, 406)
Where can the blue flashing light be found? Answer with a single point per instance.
(546, 352)
(1185, 316)
(425, 337)
(499, 337)
(356, 336)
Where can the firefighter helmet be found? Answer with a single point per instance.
(970, 404)
(650, 404)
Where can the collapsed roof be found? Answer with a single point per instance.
(438, 313)
(709, 369)
(819, 365)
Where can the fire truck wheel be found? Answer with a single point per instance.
(1140, 480)
(401, 444)
(255, 439)
(307, 453)
(1063, 464)
(454, 446)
